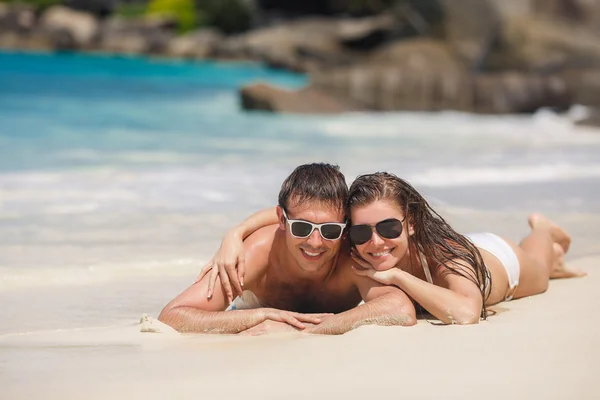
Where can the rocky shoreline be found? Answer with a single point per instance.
(485, 56)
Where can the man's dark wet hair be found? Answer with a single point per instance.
(319, 182)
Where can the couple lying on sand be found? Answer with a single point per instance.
(328, 259)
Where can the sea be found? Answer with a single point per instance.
(119, 176)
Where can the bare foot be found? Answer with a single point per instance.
(560, 269)
(540, 221)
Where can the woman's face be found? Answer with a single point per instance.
(381, 252)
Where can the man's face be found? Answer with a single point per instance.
(313, 252)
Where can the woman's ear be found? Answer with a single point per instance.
(411, 228)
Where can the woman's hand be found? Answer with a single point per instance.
(363, 268)
(228, 263)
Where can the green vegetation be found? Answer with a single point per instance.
(39, 5)
(229, 16)
(361, 7)
(183, 11)
(130, 10)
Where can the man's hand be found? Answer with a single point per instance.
(269, 326)
(293, 319)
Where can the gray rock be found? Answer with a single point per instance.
(298, 45)
(584, 85)
(60, 22)
(513, 92)
(417, 74)
(148, 35)
(424, 75)
(471, 27)
(536, 44)
(368, 33)
(593, 118)
(581, 12)
(17, 18)
(19, 41)
(513, 8)
(197, 44)
(264, 97)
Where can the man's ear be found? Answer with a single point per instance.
(280, 217)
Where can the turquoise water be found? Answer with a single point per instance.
(119, 175)
(72, 110)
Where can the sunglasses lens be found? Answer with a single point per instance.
(359, 234)
(301, 229)
(390, 228)
(330, 231)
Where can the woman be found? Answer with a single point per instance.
(398, 239)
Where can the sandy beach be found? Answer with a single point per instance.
(108, 214)
(542, 347)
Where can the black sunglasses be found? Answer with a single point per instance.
(388, 228)
(302, 229)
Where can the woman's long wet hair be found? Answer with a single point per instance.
(433, 236)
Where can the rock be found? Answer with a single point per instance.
(136, 35)
(580, 12)
(416, 74)
(29, 41)
(541, 45)
(18, 28)
(390, 88)
(592, 119)
(197, 44)
(471, 27)
(584, 84)
(424, 75)
(514, 92)
(96, 7)
(367, 33)
(295, 45)
(417, 51)
(18, 18)
(60, 39)
(513, 8)
(264, 97)
(61, 22)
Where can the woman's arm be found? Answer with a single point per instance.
(384, 305)
(453, 299)
(254, 222)
(229, 260)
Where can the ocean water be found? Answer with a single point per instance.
(118, 176)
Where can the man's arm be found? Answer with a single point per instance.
(384, 305)
(192, 311)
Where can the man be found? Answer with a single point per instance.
(296, 269)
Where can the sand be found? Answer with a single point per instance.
(541, 347)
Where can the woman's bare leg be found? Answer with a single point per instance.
(557, 234)
(560, 269)
(562, 242)
(541, 256)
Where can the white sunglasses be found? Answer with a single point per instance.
(302, 229)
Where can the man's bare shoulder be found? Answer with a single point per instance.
(258, 247)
